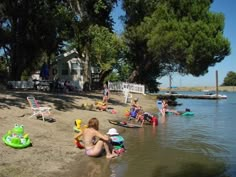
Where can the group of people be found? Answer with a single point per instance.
(136, 112)
(95, 142)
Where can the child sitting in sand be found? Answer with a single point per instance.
(117, 141)
(135, 108)
(102, 106)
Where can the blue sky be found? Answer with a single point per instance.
(228, 8)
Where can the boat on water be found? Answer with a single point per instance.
(172, 93)
(213, 94)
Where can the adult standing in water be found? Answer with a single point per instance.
(92, 147)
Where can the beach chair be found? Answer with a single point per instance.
(128, 96)
(37, 109)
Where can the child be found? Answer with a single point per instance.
(146, 116)
(165, 109)
(102, 106)
(117, 141)
(106, 94)
(135, 108)
(94, 141)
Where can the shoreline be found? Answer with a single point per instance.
(53, 149)
(201, 88)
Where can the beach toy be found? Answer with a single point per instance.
(127, 113)
(78, 144)
(16, 137)
(78, 128)
(188, 113)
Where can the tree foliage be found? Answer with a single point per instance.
(161, 36)
(105, 49)
(175, 36)
(230, 79)
(31, 28)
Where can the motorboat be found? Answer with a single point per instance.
(213, 94)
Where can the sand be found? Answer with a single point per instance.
(52, 147)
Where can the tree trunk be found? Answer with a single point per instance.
(103, 75)
(87, 71)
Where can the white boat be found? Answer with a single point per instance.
(213, 94)
(172, 93)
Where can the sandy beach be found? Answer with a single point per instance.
(52, 147)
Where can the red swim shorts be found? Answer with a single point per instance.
(155, 120)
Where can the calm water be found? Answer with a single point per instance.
(200, 146)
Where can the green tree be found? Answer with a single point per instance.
(173, 36)
(230, 79)
(31, 28)
(105, 50)
(91, 13)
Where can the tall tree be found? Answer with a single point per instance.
(29, 29)
(90, 13)
(177, 36)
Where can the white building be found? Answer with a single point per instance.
(69, 66)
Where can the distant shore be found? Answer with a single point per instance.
(199, 89)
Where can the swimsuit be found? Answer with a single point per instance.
(105, 92)
(89, 152)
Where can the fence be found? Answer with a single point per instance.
(120, 86)
(21, 84)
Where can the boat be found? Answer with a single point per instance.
(172, 93)
(212, 93)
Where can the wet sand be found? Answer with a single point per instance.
(53, 151)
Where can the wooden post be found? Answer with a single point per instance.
(217, 90)
(170, 80)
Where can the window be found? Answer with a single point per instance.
(74, 68)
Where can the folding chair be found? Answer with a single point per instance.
(128, 96)
(37, 109)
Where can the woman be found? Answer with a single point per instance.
(92, 147)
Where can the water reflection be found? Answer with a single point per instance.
(92, 167)
(194, 169)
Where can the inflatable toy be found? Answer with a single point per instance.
(188, 113)
(78, 128)
(16, 137)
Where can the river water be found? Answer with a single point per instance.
(203, 145)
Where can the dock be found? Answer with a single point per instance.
(209, 97)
